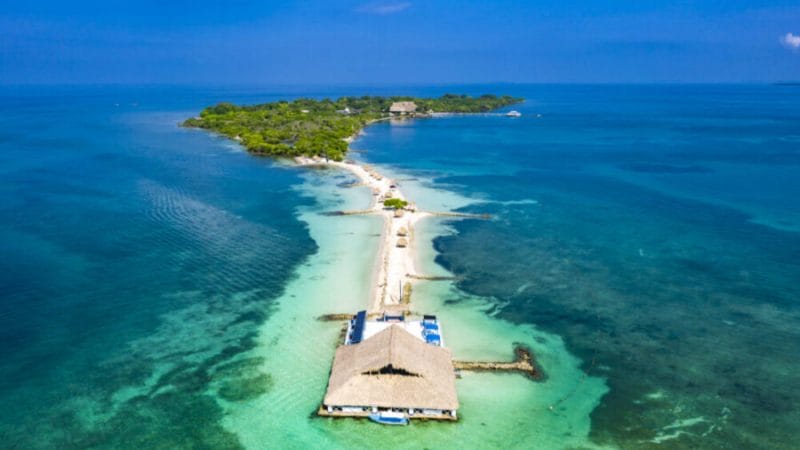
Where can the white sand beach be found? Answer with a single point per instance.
(396, 262)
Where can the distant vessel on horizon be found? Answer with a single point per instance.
(513, 114)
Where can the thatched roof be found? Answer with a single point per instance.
(402, 242)
(403, 107)
(398, 213)
(402, 231)
(393, 369)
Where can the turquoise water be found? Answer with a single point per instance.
(159, 286)
(138, 260)
(297, 349)
(654, 229)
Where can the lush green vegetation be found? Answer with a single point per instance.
(307, 127)
(395, 203)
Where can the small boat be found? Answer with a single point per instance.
(513, 114)
(389, 418)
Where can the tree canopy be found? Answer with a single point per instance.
(309, 127)
(395, 203)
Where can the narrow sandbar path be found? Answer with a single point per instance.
(395, 270)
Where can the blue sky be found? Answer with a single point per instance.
(398, 41)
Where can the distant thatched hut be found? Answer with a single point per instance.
(398, 213)
(402, 232)
(403, 108)
(402, 243)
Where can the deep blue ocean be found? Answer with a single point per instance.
(655, 228)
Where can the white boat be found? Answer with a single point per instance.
(389, 418)
(513, 114)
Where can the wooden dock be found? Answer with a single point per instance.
(335, 317)
(483, 216)
(523, 363)
(322, 411)
(406, 298)
(354, 212)
(431, 277)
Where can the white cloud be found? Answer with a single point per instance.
(791, 40)
(384, 9)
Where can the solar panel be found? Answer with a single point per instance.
(358, 328)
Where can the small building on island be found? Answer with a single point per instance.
(403, 108)
(402, 243)
(402, 232)
(392, 366)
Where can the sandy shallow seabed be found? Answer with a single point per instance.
(496, 409)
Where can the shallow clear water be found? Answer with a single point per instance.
(160, 287)
(297, 350)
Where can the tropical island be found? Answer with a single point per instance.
(309, 127)
(392, 365)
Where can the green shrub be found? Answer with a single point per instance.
(395, 203)
(283, 129)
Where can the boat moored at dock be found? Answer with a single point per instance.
(389, 418)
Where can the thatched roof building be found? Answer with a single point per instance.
(392, 369)
(402, 232)
(398, 213)
(402, 243)
(403, 108)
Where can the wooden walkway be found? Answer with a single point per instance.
(483, 216)
(322, 411)
(523, 363)
(431, 277)
(353, 212)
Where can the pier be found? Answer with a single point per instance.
(391, 365)
(483, 216)
(432, 277)
(354, 212)
(523, 363)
